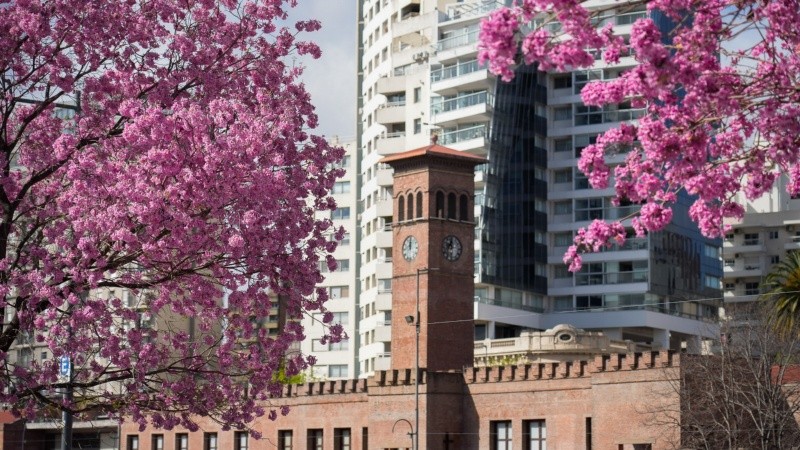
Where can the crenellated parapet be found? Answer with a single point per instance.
(572, 369)
(331, 387)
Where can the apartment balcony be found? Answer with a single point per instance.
(744, 271)
(467, 76)
(383, 361)
(392, 112)
(384, 175)
(383, 332)
(384, 238)
(391, 143)
(465, 139)
(793, 244)
(746, 247)
(456, 47)
(461, 11)
(383, 268)
(384, 207)
(387, 85)
(601, 117)
(464, 109)
(383, 302)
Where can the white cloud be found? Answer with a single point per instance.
(331, 80)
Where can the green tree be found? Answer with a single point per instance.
(782, 293)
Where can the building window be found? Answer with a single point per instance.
(562, 207)
(364, 438)
(419, 205)
(158, 442)
(463, 207)
(335, 292)
(562, 271)
(751, 288)
(588, 209)
(314, 439)
(285, 440)
(773, 235)
(562, 303)
(712, 282)
(341, 187)
(501, 435)
(772, 259)
(337, 371)
(562, 176)
(341, 317)
(240, 440)
(417, 95)
(181, 441)
(588, 433)
(417, 126)
(562, 113)
(562, 145)
(209, 441)
(410, 210)
(535, 435)
(711, 251)
(342, 213)
(451, 206)
(440, 204)
(341, 439)
(401, 208)
(133, 442)
(562, 239)
(562, 81)
(751, 239)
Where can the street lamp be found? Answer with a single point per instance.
(415, 321)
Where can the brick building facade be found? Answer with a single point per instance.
(591, 403)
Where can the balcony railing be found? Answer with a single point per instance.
(394, 134)
(610, 278)
(462, 101)
(457, 70)
(598, 117)
(461, 40)
(464, 11)
(465, 134)
(507, 304)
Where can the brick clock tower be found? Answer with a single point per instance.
(433, 257)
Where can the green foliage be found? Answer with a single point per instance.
(782, 294)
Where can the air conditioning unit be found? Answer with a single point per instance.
(421, 56)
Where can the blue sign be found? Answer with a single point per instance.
(65, 366)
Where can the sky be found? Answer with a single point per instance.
(331, 80)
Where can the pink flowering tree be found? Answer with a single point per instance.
(720, 88)
(158, 193)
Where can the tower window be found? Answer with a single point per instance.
(401, 208)
(440, 204)
(463, 208)
(451, 206)
(419, 205)
(410, 206)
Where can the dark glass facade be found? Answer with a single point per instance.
(514, 220)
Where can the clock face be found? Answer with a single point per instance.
(451, 248)
(410, 248)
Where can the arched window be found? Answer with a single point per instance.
(419, 205)
(440, 204)
(410, 206)
(451, 206)
(463, 208)
(401, 208)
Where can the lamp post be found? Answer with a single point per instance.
(416, 322)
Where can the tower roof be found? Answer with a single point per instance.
(435, 151)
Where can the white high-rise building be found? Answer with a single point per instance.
(769, 229)
(338, 360)
(419, 76)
